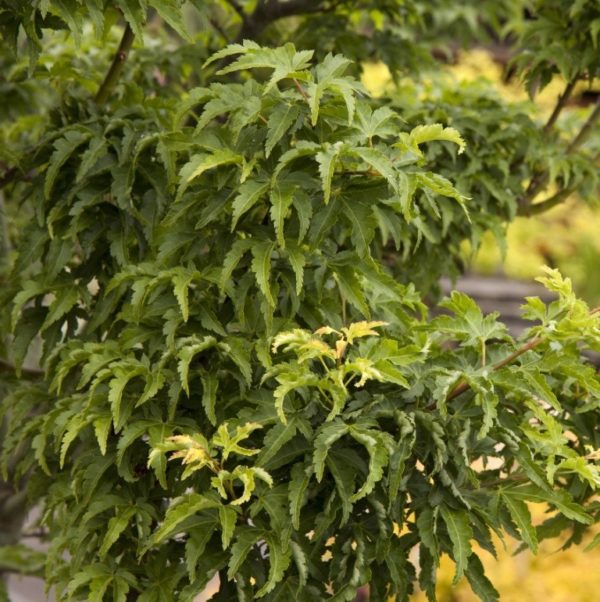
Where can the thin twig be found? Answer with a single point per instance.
(465, 386)
(586, 130)
(112, 76)
(30, 373)
(301, 89)
(532, 344)
(562, 101)
(549, 203)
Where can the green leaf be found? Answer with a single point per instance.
(327, 159)
(561, 499)
(276, 437)
(210, 384)
(362, 221)
(238, 249)
(261, 266)
(134, 14)
(429, 133)
(228, 518)
(381, 163)
(249, 193)
(116, 525)
(245, 539)
(183, 508)
(378, 458)
(187, 353)
(460, 532)
(326, 436)
(102, 429)
(64, 148)
(522, 517)
(64, 302)
(239, 351)
(300, 479)
(198, 164)
(297, 260)
(181, 282)
(281, 197)
(280, 120)
(479, 582)
(285, 60)
(170, 11)
(280, 557)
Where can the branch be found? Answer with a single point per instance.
(586, 130)
(539, 180)
(553, 201)
(465, 386)
(116, 66)
(562, 101)
(532, 344)
(29, 373)
(268, 11)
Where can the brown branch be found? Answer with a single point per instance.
(562, 101)
(301, 90)
(112, 76)
(546, 205)
(586, 130)
(29, 373)
(465, 386)
(532, 344)
(268, 11)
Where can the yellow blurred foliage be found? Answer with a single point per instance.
(552, 575)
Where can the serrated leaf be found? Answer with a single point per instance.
(245, 538)
(429, 133)
(187, 353)
(327, 159)
(64, 148)
(249, 193)
(198, 164)
(280, 557)
(300, 479)
(378, 459)
(285, 60)
(281, 197)
(280, 120)
(102, 429)
(181, 282)
(460, 532)
(326, 436)
(234, 255)
(210, 385)
(227, 518)
(297, 260)
(116, 525)
(522, 517)
(479, 582)
(261, 266)
(170, 11)
(65, 301)
(276, 437)
(183, 508)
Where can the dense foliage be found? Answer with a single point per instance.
(220, 259)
